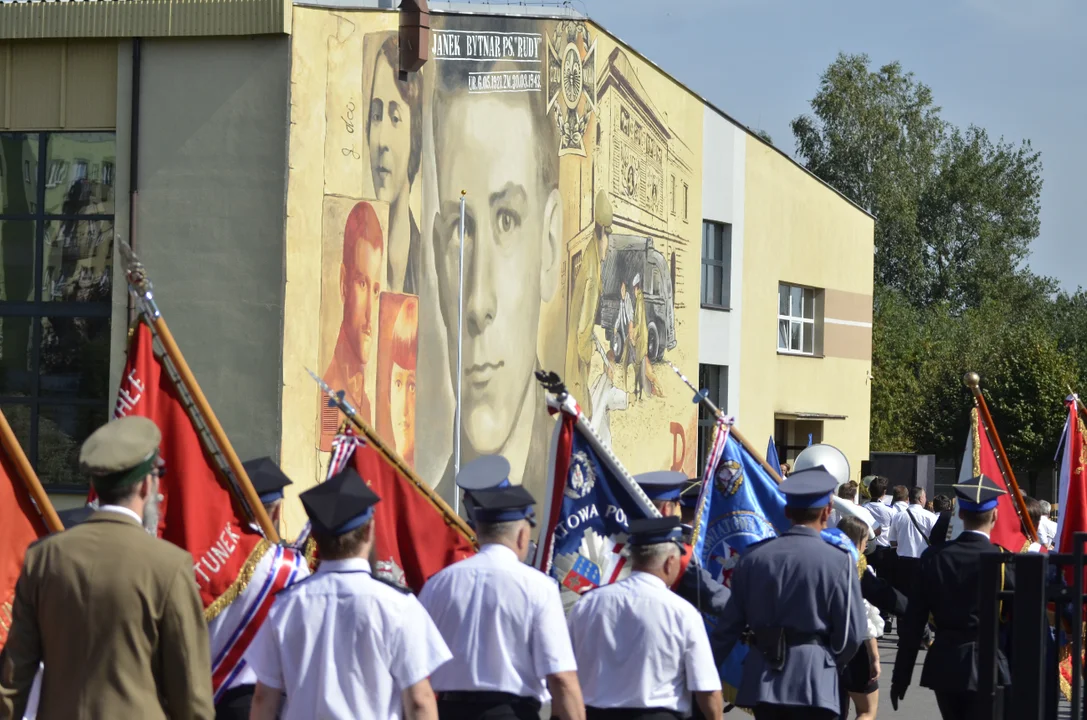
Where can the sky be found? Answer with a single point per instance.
(1017, 68)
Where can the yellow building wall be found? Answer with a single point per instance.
(541, 122)
(799, 231)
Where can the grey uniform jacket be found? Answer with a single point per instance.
(802, 583)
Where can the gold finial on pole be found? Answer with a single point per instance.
(972, 380)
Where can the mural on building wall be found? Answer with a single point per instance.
(578, 165)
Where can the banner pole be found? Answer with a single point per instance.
(141, 284)
(393, 458)
(702, 397)
(30, 478)
(973, 381)
(460, 347)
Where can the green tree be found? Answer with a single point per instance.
(955, 215)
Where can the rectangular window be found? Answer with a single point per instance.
(716, 264)
(673, 194)
(796, 319)
(715, 379)
(791, 437)
(686, 192)
(56, 251)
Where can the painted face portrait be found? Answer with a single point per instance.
(402, 409)
(360, 278)
(403, 349)
(483, 147)
(390, 133)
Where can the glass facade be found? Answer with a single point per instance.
(56, 283)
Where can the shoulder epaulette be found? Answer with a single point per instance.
(393, 585)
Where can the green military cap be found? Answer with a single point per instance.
(121, 452)
(603, 215)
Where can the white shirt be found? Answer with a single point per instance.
(225, 630)
(639, 645)
(910, 542)
(858, 510)
(123, 510)
(883, 514)
(1047, 531)
(503, 620)
(344, 646)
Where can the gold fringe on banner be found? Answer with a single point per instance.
(975, 436)
(240, 582)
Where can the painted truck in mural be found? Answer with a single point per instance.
(633, 258)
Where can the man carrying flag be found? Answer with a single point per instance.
(416, 533)
(694, 584)
(233, 629)
(801, 597)
(114, 614)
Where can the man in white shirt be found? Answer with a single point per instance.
(342, 644)
(910, 531)
(1047, 529)
(503, 621)
(641, 650)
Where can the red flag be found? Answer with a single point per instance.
(20, 525)
(198, 511)
(980, 459)
(413, 539)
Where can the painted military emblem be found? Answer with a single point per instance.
(571, 83)
(389, 570)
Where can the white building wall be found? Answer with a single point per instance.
(723, 156)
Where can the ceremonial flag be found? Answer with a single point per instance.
(589, 503)
(1072, 495)
(21, 523)
(979, 458)
(740, 505)
(415, 533)
(198, 512)
(772, 453)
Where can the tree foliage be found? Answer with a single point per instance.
(955, 215)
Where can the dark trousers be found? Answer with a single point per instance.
(592, 713)
(486, 706)
(956, 705)
(792, 712)
(235, 703)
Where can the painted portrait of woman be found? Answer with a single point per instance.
(396, 369)
(394, 136)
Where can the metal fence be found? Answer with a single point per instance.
(1038, 594)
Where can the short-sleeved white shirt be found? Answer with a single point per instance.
(883, 515)
(504, 622)
(343, 645)
(639, 645)
(904, 532)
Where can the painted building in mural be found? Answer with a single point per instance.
(581, 235)
(299, 207)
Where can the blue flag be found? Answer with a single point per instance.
(772, 456)
(590, 503)
(740, 505)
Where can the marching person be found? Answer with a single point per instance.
(114, 613)
(694, 584)
(486, 472)
(1047, 529)
(642, 651)
(801, 599)
(342, 644)
(947, 588)
(504, 623)
(279, 567)
(910, 531)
